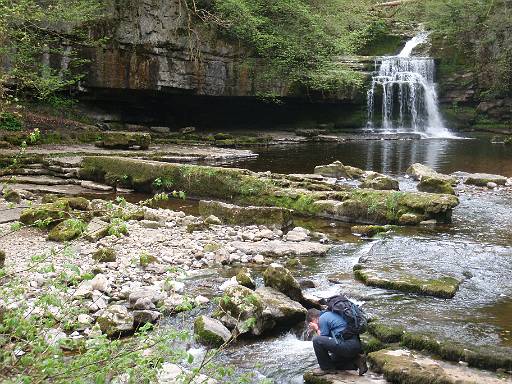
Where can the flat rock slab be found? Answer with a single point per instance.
(344, 377)
(66, 189)
(38, 180)
(443, 286)
(481, 179)
(277, 248)
(10, 215)
(404, 366)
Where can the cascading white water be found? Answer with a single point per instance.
(409, 97)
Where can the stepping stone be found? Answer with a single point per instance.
(404, 366)
(482, 179)
(38, 180)
(343, 377)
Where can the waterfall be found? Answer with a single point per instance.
(409, 97)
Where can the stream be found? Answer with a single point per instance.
(477, 247)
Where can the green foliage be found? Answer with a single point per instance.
(10, 121)
(32, 30)
(474, 33)
(117, 227)
(298, 39)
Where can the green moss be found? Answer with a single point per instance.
(104, 255)
(443, 287)
(125, 140)
(435, 185)
(385, 333)
(311, 378)
(368, 230)
(11, 195)
(145, 259)
(371, 343)
(67, 230)
(244, 278)
(47, 213)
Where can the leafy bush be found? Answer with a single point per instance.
(10, 122)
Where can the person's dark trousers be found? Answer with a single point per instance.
(331, 355)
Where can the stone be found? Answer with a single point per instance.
(279, 310)
(96, 186)
(491, 185)
(418, 171)
(49, 213)
(236, 215)
(144, 303)
(278, 248)
(96, 229)
(162, 130)
(144, 316)
(174, 286)
(187, 130)
(153, 293)
(173, 373)
(410, 219)
(145, 259)
(201, 300)
(278, 277)
(84, 319)
(100, 283)
(2, 258)
(298, 234)
(244, 278)
(104, 255)
(419, 368)
(213, 220)
(368, 230)
(482, 179)
(67, 230)
(124, 140)
(342, 377)
(173, 303)
(115, 320)
(84, 290)
(443, 286)
(435, 185)
(380, 182)
(11, 195)
(211, 331)
(336, 170)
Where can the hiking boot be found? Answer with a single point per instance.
(323, 372)
(362, 367)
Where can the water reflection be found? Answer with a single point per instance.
(388, 156)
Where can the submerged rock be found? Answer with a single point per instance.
(443, 287)
(124, 140)
(237, 215)
(211, 331)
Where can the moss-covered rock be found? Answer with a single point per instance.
(242, 308)
(371, 343)
(104, 255)
(237, 215)
(419, 171)
(124, 140)
(68, 230)
(11, 195)
(336, 170)
(385, 333)
(482, 179)
(381, 182)
(211, 331)
(435, 185)
(145, 259)
(278, 277)
(242, 186)
(368, 230)
(116, 320)
(48, 213)
(245, 279)
(443, 287)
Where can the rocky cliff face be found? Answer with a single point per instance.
(155, 45)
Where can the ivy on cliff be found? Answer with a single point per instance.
(33, 33)
(297, 40)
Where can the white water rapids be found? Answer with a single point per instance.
(409, 99)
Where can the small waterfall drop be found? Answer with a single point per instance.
(409, 98)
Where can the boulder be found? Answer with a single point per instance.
(244, 278)
(482, 179)
(237, 215)
(242, 308)
(336, 170)
(418, 171)
(410, 219)
(211, 331)
(145, 316)
(432, 184)
(278, 277)
(104, 255)
(124, 140)
(49, 213)
(380, 182)
(153, 293)
(67, 230)
(279, 310)
(298, 234)
(115, 320)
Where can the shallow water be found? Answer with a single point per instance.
(477, 248)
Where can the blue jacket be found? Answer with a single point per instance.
(331, 323)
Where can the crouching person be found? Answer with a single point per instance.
(334, 352)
